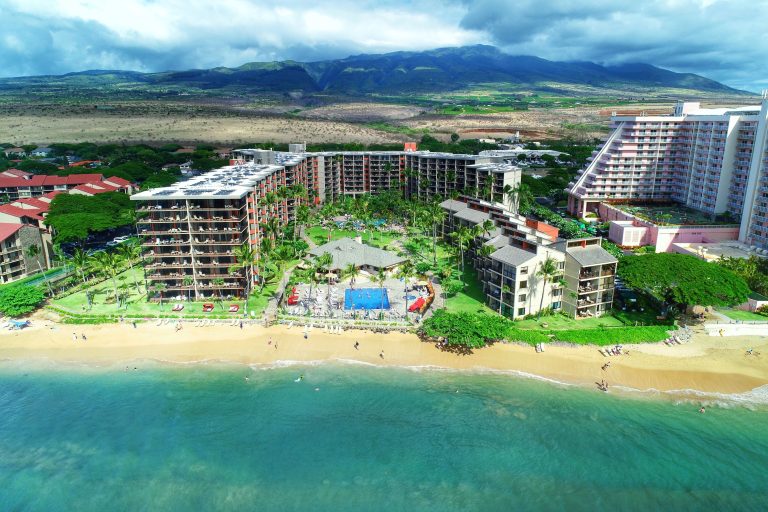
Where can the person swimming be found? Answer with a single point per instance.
(299, 378)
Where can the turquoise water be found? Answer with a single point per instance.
(366, 298)
(201, 437)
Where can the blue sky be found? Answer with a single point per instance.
(723, 40)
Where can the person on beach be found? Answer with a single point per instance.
(134, 324)
(606, 366)
(270, 340)
(74, 336)
(357, 345)
(82, 335)
(381, 354)
(702, 410)
(241, 325)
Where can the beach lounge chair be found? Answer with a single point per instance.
(207, 307)
(234, 308)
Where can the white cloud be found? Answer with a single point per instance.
(724, 40)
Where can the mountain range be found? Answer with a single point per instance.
(433, 71)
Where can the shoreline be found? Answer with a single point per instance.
(706, 366)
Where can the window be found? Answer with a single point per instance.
(520, 311)
(555, 305)
(521, 297)
(523, 284)
(557, 292)
(523, 270)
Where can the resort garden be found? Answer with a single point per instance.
(402, 271)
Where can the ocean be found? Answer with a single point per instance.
(352, 437)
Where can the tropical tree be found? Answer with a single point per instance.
(301, 218)
(436, 216)
(245, 258)
(488, 187)
(504, 290)
(405, 272)
(108, 263)
(463, 236)
(548, 270)
(218, 282)
(188, 281)
(351, 271)
(380, 278)
(130, 252)
(80, 260)
(679, 279)
(160, 287)
(33, 251)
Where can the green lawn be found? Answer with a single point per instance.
(380, 239)
(137, 305)
(471, 299)
(737, 314)
(559, 322)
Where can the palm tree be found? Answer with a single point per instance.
(487, 226)
(33, 251)
(463, 236)
(405, 271)
(380, 278)
(245, 257)
(436, 216)
(301, 218)
(80, 260)
(488, 187)
(160, 288)
(130, 251)
(218, 282)
(548, 270)
(525, 198)
(351, 271)
(108, 263)
(187, 282)
(324, 262)
(504, 289)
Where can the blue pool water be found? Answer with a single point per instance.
(366, 298)
(347, 438)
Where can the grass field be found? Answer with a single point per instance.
(137, 305)
(737, 314)
(380, 239)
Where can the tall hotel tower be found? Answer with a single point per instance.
(711, 160)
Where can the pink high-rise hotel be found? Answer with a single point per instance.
(711, 160)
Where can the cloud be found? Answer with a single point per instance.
(723, 40)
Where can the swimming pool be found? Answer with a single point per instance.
(366, 298)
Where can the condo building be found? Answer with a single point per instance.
(509, 256)
(714, 160)
(191, 230)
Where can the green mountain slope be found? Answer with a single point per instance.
(441, 70)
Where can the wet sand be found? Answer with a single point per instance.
(706, 364)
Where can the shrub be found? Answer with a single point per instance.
(466, 329)
(526, 336)
(20, 300)
(613, 336)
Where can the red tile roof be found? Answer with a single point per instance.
(36, 203)
(40, 180)
(117, 181)
(7, 229)
(95, 188)
(84, 162)
(48, 196)
(15, 211)
(16, 172)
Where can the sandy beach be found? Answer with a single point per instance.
(706, 364)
